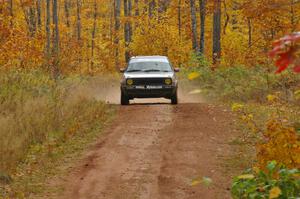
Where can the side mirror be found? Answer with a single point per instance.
(176, 70)
(122, 70)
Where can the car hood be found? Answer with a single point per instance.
(149, 75)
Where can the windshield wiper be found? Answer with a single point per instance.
(152, 70)
(131, 71)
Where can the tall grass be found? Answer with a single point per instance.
(34, 108)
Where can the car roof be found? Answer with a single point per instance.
(149, 59)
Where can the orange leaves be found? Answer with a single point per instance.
(280, 143)
(27, 3)
(285, 49)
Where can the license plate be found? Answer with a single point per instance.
(140, 87)
(153, 87)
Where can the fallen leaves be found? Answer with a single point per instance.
(246, 176)
(193, 75)
(205, 181)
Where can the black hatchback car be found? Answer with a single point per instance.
(149, 77)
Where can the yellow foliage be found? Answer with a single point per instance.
(195, 182)
(193, 75)
(205, 181)
(237, 107)
(281, 144)
(154, 38)
(271, 98)
(297, 94)
(244, 42)
(246, 176)
(275, 192)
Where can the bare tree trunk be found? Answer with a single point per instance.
(67, 12)
(29, 14)
(217, 32)
(293, 23)
(11, 12)
(111, 19)
(227, 18)
(38, 8)
(151, 8)
(234, 16)
(55, 71)
(48, 34)
(78, 19)
(194, 25)
(94, 34)
(32, 20)
(127, 28)
(117, 12)
(179, 19)
(202, 28)
(136, 12)
(249, 32)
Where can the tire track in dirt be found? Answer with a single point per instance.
(153, 152)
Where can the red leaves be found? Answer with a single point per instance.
(285, 59)
(297, 69)
(285, 49)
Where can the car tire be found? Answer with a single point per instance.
(124, 99)
(174, 99)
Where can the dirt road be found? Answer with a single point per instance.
(154, 151)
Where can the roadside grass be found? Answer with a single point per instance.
(43, 124)
(31, 178)
(250, 87)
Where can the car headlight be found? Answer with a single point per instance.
(168, 81)
(129, 82)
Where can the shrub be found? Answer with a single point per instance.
(276, 182)
(242, 84)
(279, 143)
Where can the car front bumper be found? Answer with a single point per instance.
(149, 91)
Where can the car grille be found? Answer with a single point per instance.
(148, 81)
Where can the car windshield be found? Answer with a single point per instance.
(150, 66)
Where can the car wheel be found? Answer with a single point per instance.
(174, 98)
(124, 99)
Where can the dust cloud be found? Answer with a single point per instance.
(107, 89)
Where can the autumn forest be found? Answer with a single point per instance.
(239, 99)
(88, 36)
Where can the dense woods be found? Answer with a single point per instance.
(53, 51)
(97, 35)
